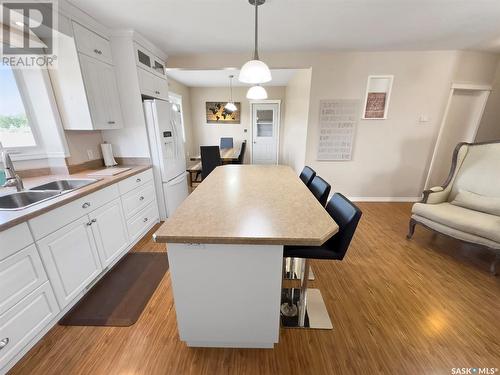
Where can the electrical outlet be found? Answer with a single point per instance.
(90, 154)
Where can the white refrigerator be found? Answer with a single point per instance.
(166, 145)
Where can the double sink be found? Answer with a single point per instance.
(41, 193)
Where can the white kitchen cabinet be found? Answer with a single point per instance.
(92, 44)
(71, 259)
(102, 93)
(145, 59)
(140, 223)
(152, 85)
(23, 322)
(21, 273)
(110, 231)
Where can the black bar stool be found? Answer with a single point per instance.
(307, 175)
(320, 189)
(294, 308)
(210, 159)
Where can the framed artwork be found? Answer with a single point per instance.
(378, 94)
(217, 114)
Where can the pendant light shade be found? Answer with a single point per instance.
(255, 71)
(230, 107)
(257, 93)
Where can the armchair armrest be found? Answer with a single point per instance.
(434, 195)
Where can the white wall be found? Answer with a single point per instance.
(294, 128)
(81, 141)
(210, 134)
(390, 157)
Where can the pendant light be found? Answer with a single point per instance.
(255, 71)
(257, 92)
(230, 107)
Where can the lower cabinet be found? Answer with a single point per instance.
(71, 259)
(23, 322)
(110, 231)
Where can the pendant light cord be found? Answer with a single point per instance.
(256, 52)
(231, 88)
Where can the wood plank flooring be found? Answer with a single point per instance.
(398, 307)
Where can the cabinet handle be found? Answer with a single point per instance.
(86, 205)
(99, 52)
(138, 180)
(111, 122)
(4, 343)
(145, 219)
(141, 198)
(91, 222)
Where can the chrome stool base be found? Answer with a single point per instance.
(315, 316)
(293, 269)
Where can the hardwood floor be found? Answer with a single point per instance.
(422, 306)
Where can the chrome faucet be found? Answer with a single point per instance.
(11, 177)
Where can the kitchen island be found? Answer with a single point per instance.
(225, 248)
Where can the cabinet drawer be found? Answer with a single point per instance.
(14, 239)
(137, 199)
(26, 320)
(135, 181)
(59, 217)
(140, 222)
(21, 274)
(92, 44)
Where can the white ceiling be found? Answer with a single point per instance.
(220, 78)
(203, 26)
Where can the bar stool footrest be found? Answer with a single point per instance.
(316, 314)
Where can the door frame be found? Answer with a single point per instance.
(457, 86)
(267, 101)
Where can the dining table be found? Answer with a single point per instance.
(227, 155)
(225, 251)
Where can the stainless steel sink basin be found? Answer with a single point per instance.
(65, 185)
(24, 199)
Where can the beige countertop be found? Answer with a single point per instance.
(250, 204)
(10, 218)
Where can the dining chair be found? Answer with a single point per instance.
(226, 142)
(210, 159)
(241, 156)
(307, 175)
(320, 189)
(347, 215)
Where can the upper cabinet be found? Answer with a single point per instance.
(84, 83)
(148, 61)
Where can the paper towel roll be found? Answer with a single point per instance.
(107, 154)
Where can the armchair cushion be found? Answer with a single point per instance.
(472, 201)
(461, 219)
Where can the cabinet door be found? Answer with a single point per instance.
(71, 259)
(110, 231)
(102, 93)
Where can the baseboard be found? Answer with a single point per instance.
(385, 199)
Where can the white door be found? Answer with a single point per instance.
(460, 124)
(265, 124)
(173, 161)
(71, 259)
(110, 231)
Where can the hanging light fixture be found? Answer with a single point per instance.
(257, 92)
(230, 107)
(255, 71)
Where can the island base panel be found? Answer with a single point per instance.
(227, 295)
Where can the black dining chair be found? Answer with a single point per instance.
(347, 215)
(226, 142)
(241, 156)
(307, 175)
(320, 189)
(210, 159)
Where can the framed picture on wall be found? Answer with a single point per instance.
(217, 114)
(378, 94)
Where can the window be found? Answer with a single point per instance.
(15, 128)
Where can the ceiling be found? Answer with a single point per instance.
(220, 78)
(210, 26)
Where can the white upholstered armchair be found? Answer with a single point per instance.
(467, 206)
